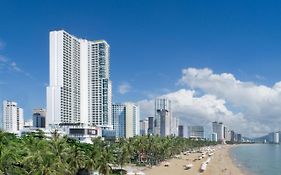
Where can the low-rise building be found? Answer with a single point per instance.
(196, 132)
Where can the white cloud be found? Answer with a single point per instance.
(15, 67)
(124, 88)
(202, 111)
(244, 106)
(259, 103)
(11, 65)
(7, 64)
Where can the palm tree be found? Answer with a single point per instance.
(40, 156)
(61, 150)
(93, 152)
(105, 160)
(35, 154)
(8, 153)
(77, 159)
(8, 159)
(122, 152)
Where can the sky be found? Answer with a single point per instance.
(216, 60)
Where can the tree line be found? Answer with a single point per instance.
(35, 154)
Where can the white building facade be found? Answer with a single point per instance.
(80, 85)
(276, 138)
(218, 128)
(132, 113)
(12, 117)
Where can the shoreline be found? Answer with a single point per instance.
(237, 163)
(222, 163)
(225, 164)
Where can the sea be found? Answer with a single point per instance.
(258, 159)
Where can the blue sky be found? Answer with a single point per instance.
(151, 42)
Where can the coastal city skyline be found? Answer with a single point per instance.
(193, 72)
(140, 87)
(79, 98)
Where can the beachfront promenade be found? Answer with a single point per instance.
(220, 164)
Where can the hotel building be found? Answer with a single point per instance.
(218, 128)
(12, 117)
(80, 85)
(118, 119)
(227, 134)
(126, 120)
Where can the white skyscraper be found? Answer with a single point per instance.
(163, 117)
(80, 88)
(218, 128)
(12, 120)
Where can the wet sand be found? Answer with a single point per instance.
(220, 164)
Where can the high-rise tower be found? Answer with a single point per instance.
(163, 117)
(218, 128)
(80, 86)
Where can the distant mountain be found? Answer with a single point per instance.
(269, 138)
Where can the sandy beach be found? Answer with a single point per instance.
(220, 164)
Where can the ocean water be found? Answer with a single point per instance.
(258, 159)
